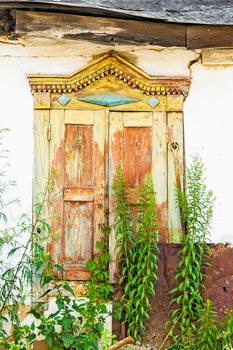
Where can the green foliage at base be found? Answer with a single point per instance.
(76, 324)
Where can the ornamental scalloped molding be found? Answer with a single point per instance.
(114, 65)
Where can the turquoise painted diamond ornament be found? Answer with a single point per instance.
(108, 100)
(63, 99)
(153, 101)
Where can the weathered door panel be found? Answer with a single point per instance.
(137, 154)
(41, 126)
(78, 155)
(57, 128)
(138, 143)
(175, 172)
(41, 175)
(160, 171)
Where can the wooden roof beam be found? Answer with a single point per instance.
(112, 30)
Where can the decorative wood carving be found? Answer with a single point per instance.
(111, 64)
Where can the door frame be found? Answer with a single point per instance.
(163, 96)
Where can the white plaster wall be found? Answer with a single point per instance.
(16, 108)
(208, 111)
(208, 131)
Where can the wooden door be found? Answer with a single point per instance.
(84, 149)
(138, 143)
(77, 154)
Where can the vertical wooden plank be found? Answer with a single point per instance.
(99, 134)
(57, 166)
(106, 169)
(159, 171)
(41, 169)
(175, 172)
(115, 159)
(41, 161)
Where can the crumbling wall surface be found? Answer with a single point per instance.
(219, 286)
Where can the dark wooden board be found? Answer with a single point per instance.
(100, 29)
(200, 36)
(114, 31)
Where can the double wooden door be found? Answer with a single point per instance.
(84, 148)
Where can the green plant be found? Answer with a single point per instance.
(144, 262)
(99, 286)
(16, 249)
(207, 328)
(138, 252)
(197, 209)
(5, 186)
(77, 323)
(225, 334)
(124, 229)
(17, 278)
(209, 333)
(107, 339)
(23, 339)
(204, 336)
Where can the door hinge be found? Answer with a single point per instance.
(49, 132)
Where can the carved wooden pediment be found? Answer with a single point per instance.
(111, 65)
